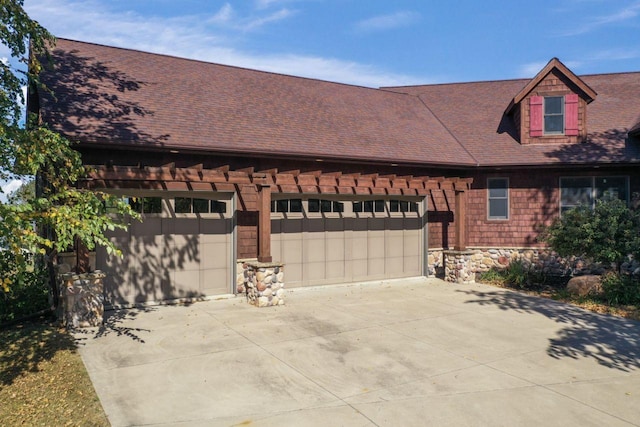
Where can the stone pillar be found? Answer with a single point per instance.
(458, 267)
(264, 283)
(81, 299)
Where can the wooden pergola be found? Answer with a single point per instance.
(267, 182)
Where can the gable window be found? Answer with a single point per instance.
(578, 191)
(553, 115)
(498, 198)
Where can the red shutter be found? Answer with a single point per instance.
(571, 115)
(535, 116)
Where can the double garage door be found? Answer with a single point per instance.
(184, 246)
(325, 241)
(181, 249)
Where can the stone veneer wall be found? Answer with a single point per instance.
(462, 266)
(262, 283)
(81, 299)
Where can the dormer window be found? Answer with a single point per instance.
(553, 115)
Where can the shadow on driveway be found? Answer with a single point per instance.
(613, 342)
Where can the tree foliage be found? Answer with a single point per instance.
(609, 233)
(60, 211)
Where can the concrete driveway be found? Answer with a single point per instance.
(399, 353)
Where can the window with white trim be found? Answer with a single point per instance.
(498, 198)
(578, 191)
(553, 115)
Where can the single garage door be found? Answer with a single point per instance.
(182, 248)
(332, 240)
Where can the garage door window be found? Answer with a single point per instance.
(402, 206)
(286, 205)
(187, 205)
(369, 206)
(324, 206)
(146, 205)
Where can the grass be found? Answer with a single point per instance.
(43, 381)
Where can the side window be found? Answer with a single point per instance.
(498, 198)
(577, 191)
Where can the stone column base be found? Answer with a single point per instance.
(458, 267)
(263, 283)
(81, 299)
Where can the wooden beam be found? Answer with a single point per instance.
(264, 224)
(460, 221)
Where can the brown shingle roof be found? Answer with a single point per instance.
(109, 95)
(113, 96)
(473, 112)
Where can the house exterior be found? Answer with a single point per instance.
(338, 183)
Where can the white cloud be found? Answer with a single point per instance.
(625, 14)
(225, 14)
(196, 37)
(387, 22)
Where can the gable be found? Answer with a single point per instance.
(552, 107)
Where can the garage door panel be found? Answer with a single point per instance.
(215, 255)
(292, 250)
(314, 250)
(148, 227)
(186, 226)
(335, 249)
(187, 284)
(293, 274)
(335, 269)
(213, 229)
(185, 252)
(291, 227)
(395, 224)
(412, 265)
(333, 225)
(360, 246)
(360, 269)
(314, 270)
(375, 246)
(215, 281)
(314, 226)
(394, 266)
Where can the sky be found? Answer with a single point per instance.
(363, 42)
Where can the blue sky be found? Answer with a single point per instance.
(370, 43)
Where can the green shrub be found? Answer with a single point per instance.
(621, 289)
(24, 287)
(606, 234)
(518, 274)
